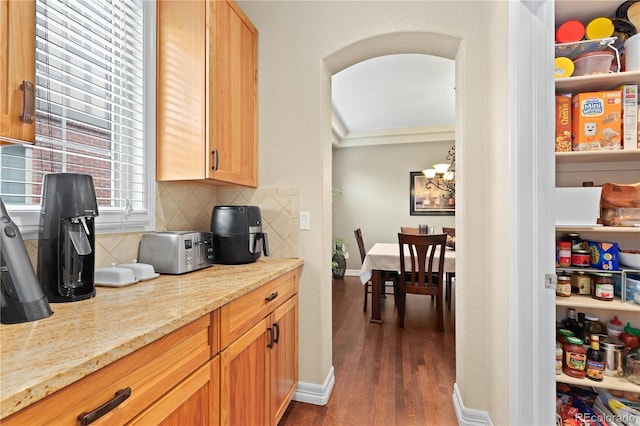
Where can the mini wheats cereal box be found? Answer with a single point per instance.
(597, 121)
(563, 123)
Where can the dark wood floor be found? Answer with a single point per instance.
(385, 375)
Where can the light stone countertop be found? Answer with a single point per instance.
(41, 357)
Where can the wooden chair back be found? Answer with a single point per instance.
(449, 231)
(360, 241)
(421, 230)
(418, 273)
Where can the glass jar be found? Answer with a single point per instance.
(602, 286)
(559, 353)
(563, 333)
(581, 258)
(563, 287)
(564, 254)
(574, 361)
(581, 283)
(592, 325)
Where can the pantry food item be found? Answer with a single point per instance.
(630, 140)
(595, 360)
(563, 67)
(574, 362)
(602, 287)
(593, 63)
(596, 121)
(620, 204)
(563, 122)
(604, 255)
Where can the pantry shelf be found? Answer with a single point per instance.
(595, 83)
(596, 156)
(608, 383)
(578, 301)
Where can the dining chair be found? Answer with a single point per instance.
(450, 276)
(422, 229)
(386, 275)
(418, 273)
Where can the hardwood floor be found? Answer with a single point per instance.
(385, 375)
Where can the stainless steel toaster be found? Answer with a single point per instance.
(177, 252)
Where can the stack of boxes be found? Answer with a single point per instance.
(597, 121)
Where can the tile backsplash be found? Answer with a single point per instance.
(184, 206)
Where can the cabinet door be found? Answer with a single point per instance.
(244, 382)
(195, 401)
(233, 64)
(284, 358)
(17, 65)
(181, 127)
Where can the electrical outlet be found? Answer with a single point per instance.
(346, 254)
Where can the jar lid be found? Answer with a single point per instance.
(564, 243)
(582, 252)
(570, 31)
(601, 27)
(565, 332)
(563, 67)
(579, 273)
(603, 274)
(575, 340)
(591, 317)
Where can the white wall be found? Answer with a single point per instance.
(374, 181)
(301, 45)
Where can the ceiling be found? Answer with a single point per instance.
(410, 97)
(393, 98)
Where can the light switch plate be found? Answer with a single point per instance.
(305, 221)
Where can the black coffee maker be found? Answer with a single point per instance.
(66, 244)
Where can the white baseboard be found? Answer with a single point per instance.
(468, 416)
(352, 272)
(315, 394)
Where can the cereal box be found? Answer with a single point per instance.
(563, 122)
(604, 255)
(630, 139)
(596, 122)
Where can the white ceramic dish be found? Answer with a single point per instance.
(141, 271)
(114, 277)
(632, 260)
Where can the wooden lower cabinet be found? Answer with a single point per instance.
(284, 358)
(259, 370)
(195, 401)
(237, 365)
(148, 374)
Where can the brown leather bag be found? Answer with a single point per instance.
(620, 204)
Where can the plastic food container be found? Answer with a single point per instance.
(593, 63)
(632, 53)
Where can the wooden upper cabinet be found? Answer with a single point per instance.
(206, 93)
(233, 100)
(17, 71)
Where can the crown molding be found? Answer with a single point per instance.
(343, 138)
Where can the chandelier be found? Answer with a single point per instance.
(443, 176)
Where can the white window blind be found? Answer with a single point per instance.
(94, 88)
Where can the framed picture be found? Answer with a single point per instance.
(425, 201)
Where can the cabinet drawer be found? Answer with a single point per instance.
(240, 315)
(148, 372)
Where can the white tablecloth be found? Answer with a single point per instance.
(386, 257)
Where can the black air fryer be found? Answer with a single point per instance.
(237, 234)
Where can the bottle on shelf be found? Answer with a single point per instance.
(571, 323)
(595, 360)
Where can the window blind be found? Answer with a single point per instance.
(90, 108)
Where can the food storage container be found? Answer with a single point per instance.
(593, 63)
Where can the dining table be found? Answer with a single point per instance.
(383, 257)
